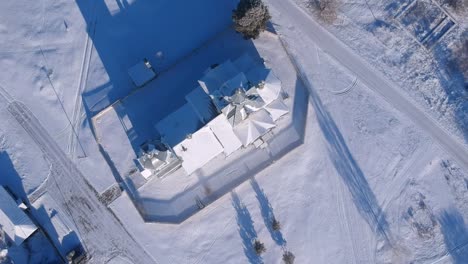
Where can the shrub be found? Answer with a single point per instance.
(259, 247)
(275, 224)
(326, 9)
(250, 18)
(288, 257)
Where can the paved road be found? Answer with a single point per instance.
(291, 16)
(102, 233)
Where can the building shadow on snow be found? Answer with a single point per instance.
(9, 177)
(455, 233)
(348, 169)
(162, 31)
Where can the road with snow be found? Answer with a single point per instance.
(101, 232)
(294, 21)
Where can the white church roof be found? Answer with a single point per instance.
(216, 77)
(269, 85)
(202, 104)
(277, 109)
(230, 86)
(225, 134)
(15, 223)
(175, 127)
(257, 125)
(197, 150)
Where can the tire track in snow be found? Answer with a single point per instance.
(343, 219)
(100, 230)
(73, 138)
(399, 183)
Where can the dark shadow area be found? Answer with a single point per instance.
(347, 167)
(455, 234)
(9, 177)
(453, 77)
(300, 107)
(46, 237)
(246, 229)
(267, 213)
(163, 31)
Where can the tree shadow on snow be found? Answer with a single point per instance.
(267, 212)
(348, 169)
(455, 234)
(452, 74)
(246, 229)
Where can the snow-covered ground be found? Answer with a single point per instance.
(381, 176)
(433, 76)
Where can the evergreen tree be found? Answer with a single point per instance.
(250, 18)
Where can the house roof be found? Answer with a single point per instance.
(258, 124)
(277, 109)
(14, 222)
(216, 77)
(198, 150)
(202, 104)
(225, 134)
(175, 127)
(141, 73)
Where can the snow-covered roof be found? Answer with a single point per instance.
(175, 127)
(202, 104)
(244, 63)
(277, 109)
(14, 222)
(197, 150)
(230, 86)
(225, 134)
(141, 73)
(156, 160)
(269, 86)
(258, 124)
(216, 77)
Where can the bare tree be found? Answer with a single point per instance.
(325, 9)
(250, 18)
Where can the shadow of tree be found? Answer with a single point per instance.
(455, 234)
(246, 229)
(267, 213)
(453, 77)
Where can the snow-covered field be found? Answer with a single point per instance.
(381, 177)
